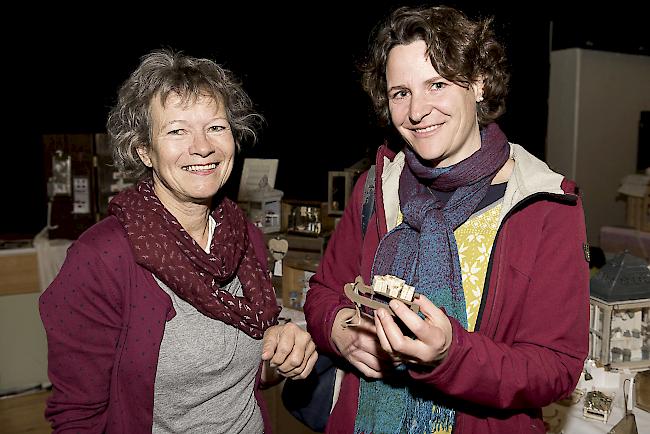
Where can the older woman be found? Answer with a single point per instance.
(162, 313)
(487, 233)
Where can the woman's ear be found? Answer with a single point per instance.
(143, 153)
(477, 87)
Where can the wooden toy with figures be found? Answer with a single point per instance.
(383, 289)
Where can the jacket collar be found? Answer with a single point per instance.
(531, 176)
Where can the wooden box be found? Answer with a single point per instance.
(597, 406)
(638, 211)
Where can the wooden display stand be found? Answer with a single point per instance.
(601, 334)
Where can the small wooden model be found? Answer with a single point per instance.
(597, 406)
(383, 289)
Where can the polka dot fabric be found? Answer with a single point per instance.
(103, 324)
(104, 316)
(162, 246)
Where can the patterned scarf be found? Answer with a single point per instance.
(162, 246)
(422, 250)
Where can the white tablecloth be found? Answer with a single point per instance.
(50, 254)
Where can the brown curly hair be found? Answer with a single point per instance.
(461, 51)
(161, 73)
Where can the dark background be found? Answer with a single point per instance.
(298, 64)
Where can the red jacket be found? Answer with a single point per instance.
(104, 316)
(531, 336)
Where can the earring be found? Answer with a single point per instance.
(479, 99)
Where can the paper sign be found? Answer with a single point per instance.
(255, 169)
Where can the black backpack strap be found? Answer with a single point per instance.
(368, 206)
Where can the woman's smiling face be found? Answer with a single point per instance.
(436, 117)
(192, 149)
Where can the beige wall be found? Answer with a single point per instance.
(595, 100)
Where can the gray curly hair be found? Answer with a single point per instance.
(461, 51)
(165, 72)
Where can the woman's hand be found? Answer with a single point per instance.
(433, 334)
(359, 344)
(288, 351)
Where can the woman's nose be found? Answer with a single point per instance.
(201, 146)
(419, 108)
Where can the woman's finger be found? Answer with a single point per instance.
(382, 316)
(420, 328)
(311, 361)
(297, 360)
(398, 342)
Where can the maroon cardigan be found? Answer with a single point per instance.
(104, 316)
(531, 336)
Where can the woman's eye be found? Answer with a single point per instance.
(175, 132)
(438, 85)
(217, 128)
(399, 94)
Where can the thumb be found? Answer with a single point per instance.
(270, 343)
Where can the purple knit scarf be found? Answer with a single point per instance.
(422, 250)
(162, 246)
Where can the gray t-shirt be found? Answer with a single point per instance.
(206, 374)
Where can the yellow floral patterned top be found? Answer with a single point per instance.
(475, 238)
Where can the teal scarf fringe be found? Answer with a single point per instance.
(399, 411)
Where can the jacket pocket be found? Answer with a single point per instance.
(509, 297)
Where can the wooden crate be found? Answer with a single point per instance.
(638, 211)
